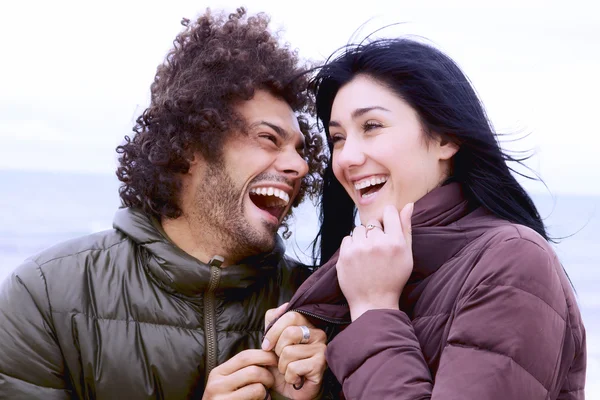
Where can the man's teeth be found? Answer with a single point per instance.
(271, 191)
(365, 183)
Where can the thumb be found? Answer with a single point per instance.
(274, 313)
(406, 218)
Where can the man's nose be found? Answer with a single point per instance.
(291, 163)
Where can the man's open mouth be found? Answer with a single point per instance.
(270, 199)
(368, 187)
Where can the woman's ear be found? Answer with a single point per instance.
(447, 148)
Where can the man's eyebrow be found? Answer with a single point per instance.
(359, 112)
(285, 135)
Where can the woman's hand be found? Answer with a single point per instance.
(300, 349)
(376, 262)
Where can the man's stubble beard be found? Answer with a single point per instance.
(219, 211)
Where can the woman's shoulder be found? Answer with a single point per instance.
(516, 256)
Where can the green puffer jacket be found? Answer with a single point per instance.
(125, 314)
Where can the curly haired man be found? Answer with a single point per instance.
(171, 303)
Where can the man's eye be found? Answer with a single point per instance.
(269, 137)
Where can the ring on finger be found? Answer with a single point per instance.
(370, 227)
(305, 334)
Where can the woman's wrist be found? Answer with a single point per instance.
(357, 310)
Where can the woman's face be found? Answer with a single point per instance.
(380, 152)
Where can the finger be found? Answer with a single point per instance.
(255, 391)
(375, 223)
(345, 245)
(291, 318)
(248, 376)
(391, 223)
(293, 335)
(246, 358)
(311, 369)
(299, 352)
(406, 221)
(359, 233)
(274, 313)
(373, 228)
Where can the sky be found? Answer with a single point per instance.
(75, 75)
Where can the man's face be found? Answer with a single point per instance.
(244, 198)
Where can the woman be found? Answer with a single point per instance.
(473, 304)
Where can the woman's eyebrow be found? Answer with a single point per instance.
(359, 112)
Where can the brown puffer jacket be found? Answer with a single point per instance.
(125, 314)
(488, 313)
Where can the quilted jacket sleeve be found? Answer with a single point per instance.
(510, 339)
(31, 364)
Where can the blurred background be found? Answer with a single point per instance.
(75, 75)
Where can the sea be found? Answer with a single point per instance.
(41, 208)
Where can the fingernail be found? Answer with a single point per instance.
(299, 383)
(265, 344)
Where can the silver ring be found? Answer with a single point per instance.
(370, 227)
(305, 334)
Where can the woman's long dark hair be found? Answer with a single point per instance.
(432, 84)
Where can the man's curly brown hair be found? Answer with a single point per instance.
(216, 62)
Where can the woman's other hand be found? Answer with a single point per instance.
(376, 261)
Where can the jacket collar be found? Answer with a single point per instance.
(178, 271)
(437, 234)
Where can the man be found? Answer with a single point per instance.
(171, 303)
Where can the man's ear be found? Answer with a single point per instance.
(197, 166)
(447, 148)
(196, 162)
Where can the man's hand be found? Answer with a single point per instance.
(244, 376)
(300, 364)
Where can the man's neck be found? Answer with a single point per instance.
(195, 242)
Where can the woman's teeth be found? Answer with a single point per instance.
(365, 183)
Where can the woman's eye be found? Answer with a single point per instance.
(335, 139)
(369, 125)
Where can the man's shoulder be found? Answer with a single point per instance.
(81, 247)
(65, 270)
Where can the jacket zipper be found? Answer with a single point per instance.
(210, 331)
(331, 321)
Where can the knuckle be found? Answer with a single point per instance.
(282, 366)
(320, 358)
(285, 353)
(297, 317)
(292, 369)
(243, 358)
(269, 314)
(258, 391)
(320, 336)
(289, 318)
(321, 349)
(318, 379)
(287, 335)
(255, 373)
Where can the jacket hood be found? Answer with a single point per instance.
(179, 271)
(438, 233)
